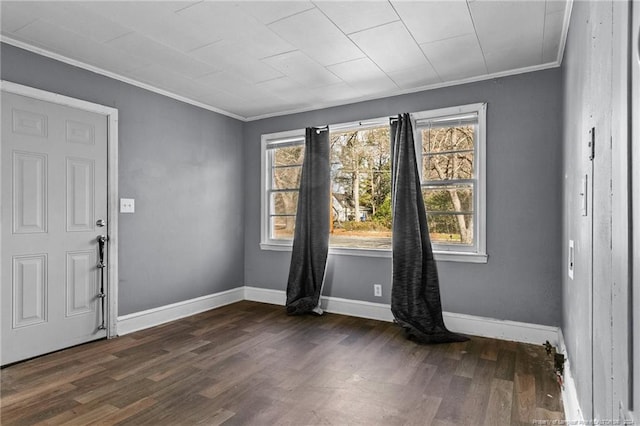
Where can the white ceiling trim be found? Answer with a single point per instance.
(115, 76)
(565, 30)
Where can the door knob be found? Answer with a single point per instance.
(101, 223)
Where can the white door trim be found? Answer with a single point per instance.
(112, 183)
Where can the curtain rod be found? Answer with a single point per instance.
(363, 123)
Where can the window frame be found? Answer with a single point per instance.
(267, 140)
(443, 252)
(476, 253)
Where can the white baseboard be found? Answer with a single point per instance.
(156, 316)
(265, 295)
(572, 411)
(460, 323)
(514, 331)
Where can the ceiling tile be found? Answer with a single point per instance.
(510, 33)
(312, 32)
(364, 76)
(231, 21)
(230, 56)
(271, 11)
(261, 42)
(391, 47)
(456, 58)
(223, 19)
(168, 80)
(435, 20)
(83, 21)
(356, 16)
(140, 45)
(13, 16)
(334, 93)
(231, 82)
(412, 78)
(161, 25)
(302, 69)
(285, 87)
(59, 40)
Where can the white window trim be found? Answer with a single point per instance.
(265, 242)
(450, 251)
(440, 253)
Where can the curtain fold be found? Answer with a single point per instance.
(415, 293)
(311, 236)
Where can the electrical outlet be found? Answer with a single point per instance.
(377, 290)
(127, 205)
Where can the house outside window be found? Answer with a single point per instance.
(450, 147)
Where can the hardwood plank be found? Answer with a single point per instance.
(499, 405)
(524, 397)
(457, 392)
(474, 407)
(505, 365)
(128, 411)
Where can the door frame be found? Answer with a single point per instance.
(112, 183)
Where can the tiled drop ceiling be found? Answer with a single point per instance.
(255, 59)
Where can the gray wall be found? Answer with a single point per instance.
(182, 164)
(596, 309)
(521, 280)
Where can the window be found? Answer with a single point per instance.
(452, 142)
(284, 157)
(450, 146)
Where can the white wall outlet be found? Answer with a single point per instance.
(127, 205)
(377, 290)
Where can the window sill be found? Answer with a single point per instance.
(442, 256)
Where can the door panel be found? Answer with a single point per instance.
(29, 290)
(80, 194)
(80, 282)
(54, 189)
(29, 193)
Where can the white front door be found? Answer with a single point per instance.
(54, 190)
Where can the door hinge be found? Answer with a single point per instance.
(592, 143)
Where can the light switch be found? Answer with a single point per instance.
(571, 260)
(127, 205)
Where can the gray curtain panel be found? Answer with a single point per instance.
(311, 236)
(415, 293)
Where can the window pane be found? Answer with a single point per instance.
(457, 165)
(288, 156)
(282, 227)
(451, 228)
(361, 188)
(286, 177)
(285, 202)
(450, 198)
(361, 239)
(441, 139)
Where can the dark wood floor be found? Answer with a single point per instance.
(250, 364)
